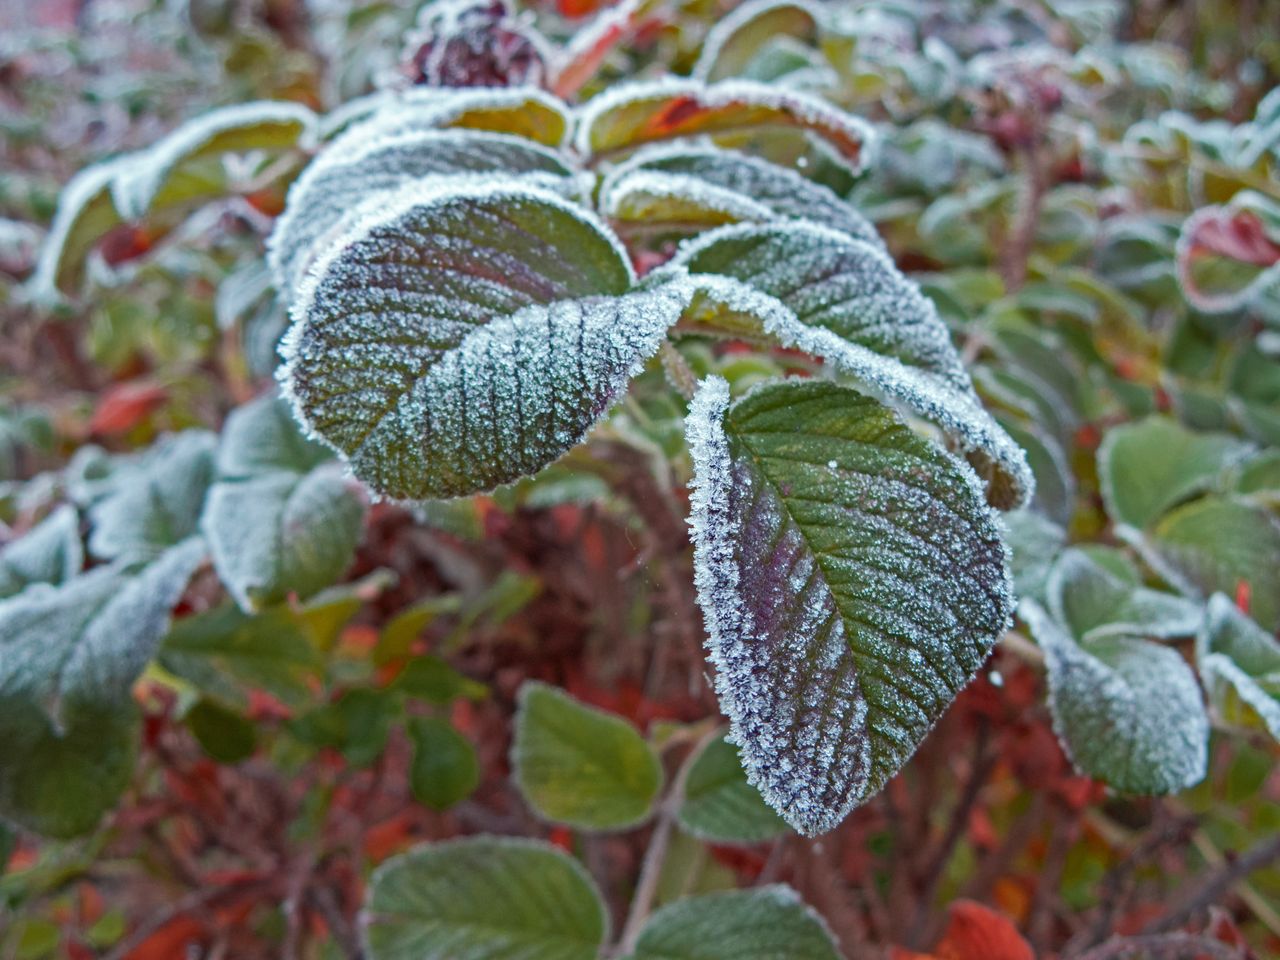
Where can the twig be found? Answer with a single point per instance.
(1167, 946)
(1213, 889)
(1017, 251)
(191, 902)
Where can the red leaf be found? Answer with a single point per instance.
(1241, 236)
(174, 939)
(976, 932)
(125, 405)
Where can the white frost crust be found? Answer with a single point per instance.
(641, 186)
(809, 108)
(137, 184)
(724, 30)
(80, 191)
(755, 710)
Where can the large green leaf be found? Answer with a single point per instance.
(364, 164)
(701, 186)
(281, 519)
(51, 552)
(767, 923)
(579, 765)
(844, 300)
(1240, 667)
(1145, 468)
(720, 805)
(1094, 602)
(1128, 711)
(68, 658)
(1222, 544)
(464, 337)
(853, 580)
(483, 898)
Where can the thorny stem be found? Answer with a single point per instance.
(656, 853)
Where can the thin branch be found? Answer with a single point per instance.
(1218, 885)
(1164, 946)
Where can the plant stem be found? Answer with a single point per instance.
(1167, 946)
(1213, 889)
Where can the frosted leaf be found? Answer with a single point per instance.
(364, 167)
(483, 898)
(1240, 667)
(463, 337)
(846, 606)
(841, 299)
(521, 111)
(160, 503)
(628, 116)
(1036, 542)
(172, 170)
(1144, 468)
(1228, 257)
(474, 43)
(735, 39)
(50, 552)
(281, 519)
(1127, 711)
(68, 657)
(86, 212)
(763, 923)
(669, 180)
(1093, 602)
(720, 806)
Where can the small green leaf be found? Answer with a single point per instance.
(483, 898)
(51, 552)
(1145, 468)
(1036, 542)
(356, 724)
(223, 734)
(445, 770)
(1127, 711)
(766, 923)
(735, 40)
(1094, 602)
(579, 765)
(1240, 666)
(86, 213)
(262, 437)
(430, 678)
(720, 805)
(853, 580)
(463, 337)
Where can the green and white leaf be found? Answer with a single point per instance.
(1144, 468)
(844, 300)
(581, 766)
(154, 501)
(463, 337)
(1240, 667)
(483, 898)
(1035, 541)
(1094, 602)
(720, 805)
(86, 212)
(737, 38)
(765, 923)
(51, 552)
(1127, 711)
(852, 578)
(69, 655)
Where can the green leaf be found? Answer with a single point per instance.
(766, 923)
(461, 338)
(178, 169)
(720, 805)
(1127, 711)
(852, 579)
(525, 111)
(700, 186)
(50, 552)
(223, 734)
(356, 724)
(579, 765)
(483, 898)
(363, 164)
(445, 770)
(1036, 542)
(1093, 602)
(844, 300)
(735, 40)
(1220, 544)
(86, 213)
(262, 437)
(1240, 667)
(68, 658)
(155, 501)
(430, 678)
(1145, 468)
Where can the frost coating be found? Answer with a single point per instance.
(846, 605)
(459, 338)
(366, 165)
(1127, 711)
(733, 180)
(645, 196)
(526, 111)
(628, 116)
(85, 212)
(845, 301)
(50, 552)
(721, 36)
(249, 126)
(1240, 666)
(1094, 603)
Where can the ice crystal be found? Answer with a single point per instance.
(845, 607)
